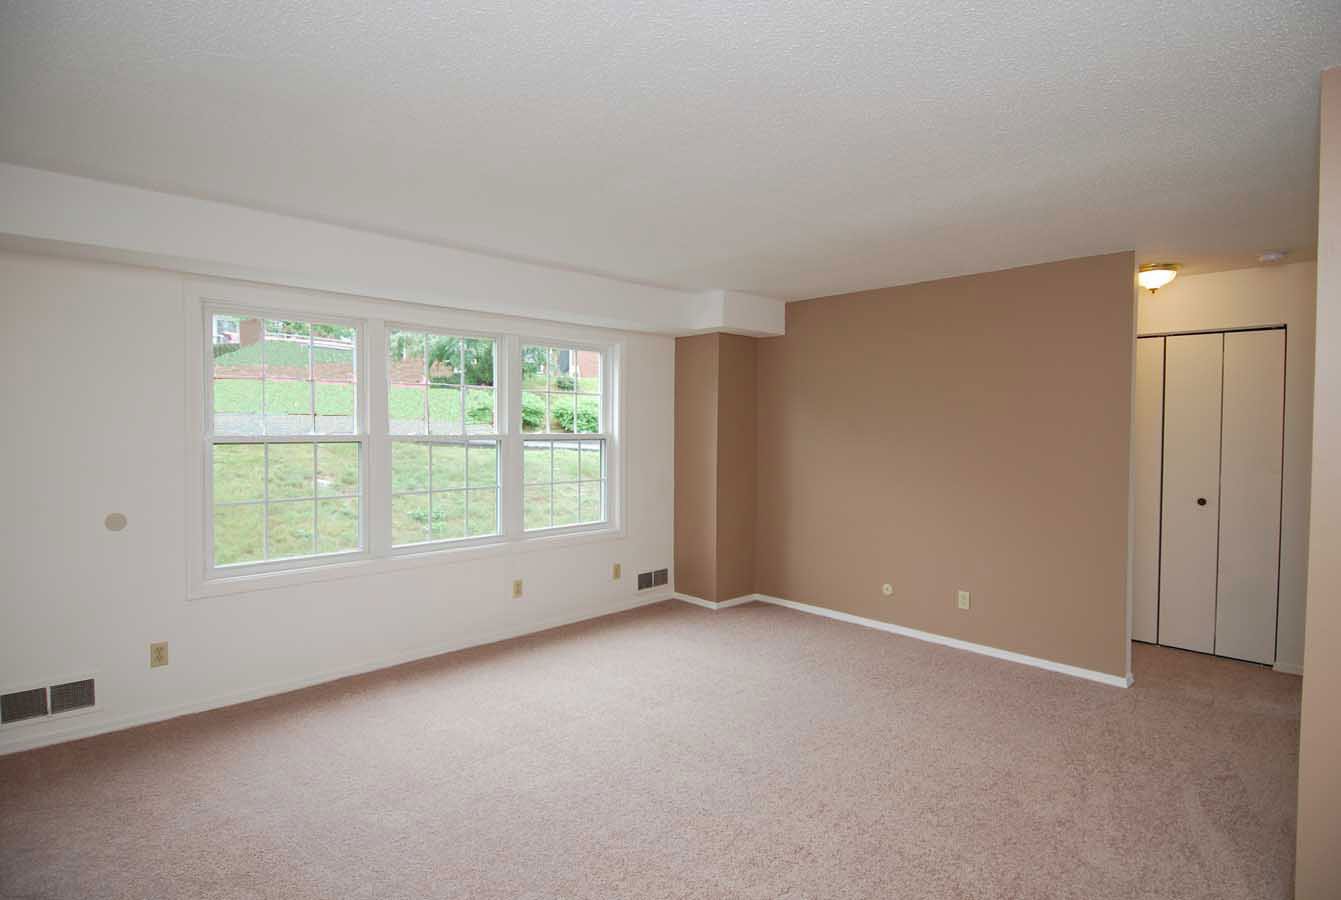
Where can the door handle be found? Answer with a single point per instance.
(1201, 501)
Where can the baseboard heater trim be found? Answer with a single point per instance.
(929, 637)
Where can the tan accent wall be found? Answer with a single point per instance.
(736, 483)
(696, 380)
(971, 433)
(1318, 858)
(714, 466)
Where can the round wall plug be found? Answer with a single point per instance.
(888, 590)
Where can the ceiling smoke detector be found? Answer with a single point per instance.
(1272, 256)
(1153, 276)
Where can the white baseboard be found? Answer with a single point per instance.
(720, 604)
(1289, 668)
(930, 637)
(90, 725)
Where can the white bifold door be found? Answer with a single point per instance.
(1207, 486)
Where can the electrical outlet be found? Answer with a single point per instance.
(158, 654)
(887, 590)
(615, 572)
(963, 599)
(516, 588)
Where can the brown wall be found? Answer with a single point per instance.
(971, 433)
(696, 466)
(736, 447)
(714, 466)
(1318, 861)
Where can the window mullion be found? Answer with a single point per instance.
(375, 425)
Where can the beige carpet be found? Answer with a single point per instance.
(675, 752)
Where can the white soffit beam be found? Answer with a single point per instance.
(72, 216)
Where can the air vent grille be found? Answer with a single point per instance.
(660, 576)
(22, 705)
(644, 580)
(71, 695)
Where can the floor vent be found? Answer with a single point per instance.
(35, 703)
(660, 577)
(22, 705)
(644, 580)
(71, 695)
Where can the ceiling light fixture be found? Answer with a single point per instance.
(1154, 276)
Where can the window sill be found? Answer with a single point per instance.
(227, 585)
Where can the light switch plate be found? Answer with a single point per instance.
(963, 599)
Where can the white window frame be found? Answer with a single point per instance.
(371, 319)
(606, 434)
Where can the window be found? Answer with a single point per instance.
(356, 439)
(284, 447)
(564, 477)
(440, 389)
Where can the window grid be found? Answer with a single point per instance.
(255, 426)
(581, 481)
(459, 381)
(571, 400)
(466, 490)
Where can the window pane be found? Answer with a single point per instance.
(409, 466)
(480, 409)
(535, 507)
(565, 461)
(237, 375)
(591, 460)
(533, 412)
(444, 359)
(239, 472)
(535, 368)
(337, 469)
(291, 471)
(449, 515)
(288, 407)
(588, 414)
(483, 517)
(406, 409)
(239, 534)
(337, 525)
(409, 519)
(592, 501)
(333, 371)
(589, 372)
(449, 466)
(405, 358)
(444, 409)
(561, 371)
(565, 504)
(289, 527)
(479, 362)
(286, 352)
(536, 461)
(561, 408)
(483, 462)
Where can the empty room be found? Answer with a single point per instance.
(684, 450)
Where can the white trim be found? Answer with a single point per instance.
(1289, 668)
(487, 636)
(719, 604)
(1008, 655)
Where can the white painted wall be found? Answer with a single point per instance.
(54, 213)
(1269, 295)
(95, 421)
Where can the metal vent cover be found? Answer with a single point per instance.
(22, 705)
(644, 580)
(71, 695)
(660, 576)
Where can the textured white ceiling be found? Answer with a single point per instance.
(789, 148)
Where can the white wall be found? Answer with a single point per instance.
(1269, 295)
(95, 421)
(73, 216)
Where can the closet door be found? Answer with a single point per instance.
(1192, 381)
(1250, 484)
(1147, 456)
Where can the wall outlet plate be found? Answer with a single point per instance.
(516, 588)
(158, 654)
(615, 572)
(963, 599)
